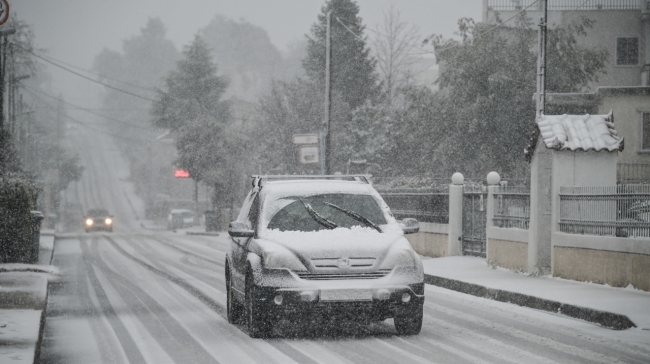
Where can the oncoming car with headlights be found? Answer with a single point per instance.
(98, 219)
(308, 248)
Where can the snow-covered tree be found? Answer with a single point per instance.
(353, 68)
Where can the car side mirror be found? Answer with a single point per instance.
(238, 229)
(410, 225)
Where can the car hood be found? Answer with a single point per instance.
(364, 247)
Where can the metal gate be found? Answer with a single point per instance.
(474, 220)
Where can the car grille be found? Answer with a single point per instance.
(360, 262)
(344, 276)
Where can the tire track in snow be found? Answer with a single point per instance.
(128, 344)
(211, 303)
(172, 337)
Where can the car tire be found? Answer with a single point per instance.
(259, 325)
(233, 308)
(411, 323)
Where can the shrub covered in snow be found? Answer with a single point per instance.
(17, 198)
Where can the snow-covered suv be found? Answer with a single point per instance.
(309, 247)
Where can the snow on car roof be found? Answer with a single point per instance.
(316, 186)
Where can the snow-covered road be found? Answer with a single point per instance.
(138, 296)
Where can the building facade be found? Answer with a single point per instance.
(621, 27)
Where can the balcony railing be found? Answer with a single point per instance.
(501, 5)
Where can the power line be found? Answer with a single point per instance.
(83, 76)
(81, 108)
(95, 73)
(88, 125)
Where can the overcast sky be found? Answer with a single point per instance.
(75, 31)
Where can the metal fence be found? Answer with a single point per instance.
(565, 5)
(622, 210)
(628, 173)
(426, 205)
(474, 220)
(512, 207)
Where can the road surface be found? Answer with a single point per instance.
(140, 296)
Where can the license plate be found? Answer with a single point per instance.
(345, 295)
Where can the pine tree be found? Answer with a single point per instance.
(194, 90)
(192, 108)
(352, 68)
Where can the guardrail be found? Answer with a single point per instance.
(622, 210)
(511, 207)
(425, 205)
(565, 5)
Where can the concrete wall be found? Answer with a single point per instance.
(508, 254)
(601, 266)
(507, 248)
(431, 241)
(602, 259)
(628, 113)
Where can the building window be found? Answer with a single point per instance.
(645, 133)
(627, 51)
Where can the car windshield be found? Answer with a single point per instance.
(326, 211)
(97, 213)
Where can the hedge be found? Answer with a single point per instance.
(17, 199)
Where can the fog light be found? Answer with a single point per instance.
(406, 297)
(278, 299)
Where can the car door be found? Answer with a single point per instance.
(239, 246)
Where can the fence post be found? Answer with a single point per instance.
(493, 180)
(455, 239)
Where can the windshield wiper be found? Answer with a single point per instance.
(355, 216)
(317, 217)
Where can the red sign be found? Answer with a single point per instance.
(180, 173)
(4, 11)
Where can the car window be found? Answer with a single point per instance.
(335, 208)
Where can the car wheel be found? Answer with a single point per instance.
(233, 308)
(256, 320)
(411, 323)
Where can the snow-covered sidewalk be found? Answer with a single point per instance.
(593, 302)
(23, 297)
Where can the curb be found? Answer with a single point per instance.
(607, 319)
(39, 341)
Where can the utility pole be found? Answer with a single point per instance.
(328, 94)
(3, 62)
(541, 61)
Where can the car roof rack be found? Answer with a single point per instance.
(258, 179)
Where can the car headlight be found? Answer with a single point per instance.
(108, 221)
(89, 222)
(399, 258)
(282, 260)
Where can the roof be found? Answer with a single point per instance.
(580, 132)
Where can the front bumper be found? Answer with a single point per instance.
(398, 293)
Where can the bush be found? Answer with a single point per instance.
(17, 199)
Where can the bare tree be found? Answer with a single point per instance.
(396, 48)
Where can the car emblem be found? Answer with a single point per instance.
(344, 263)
